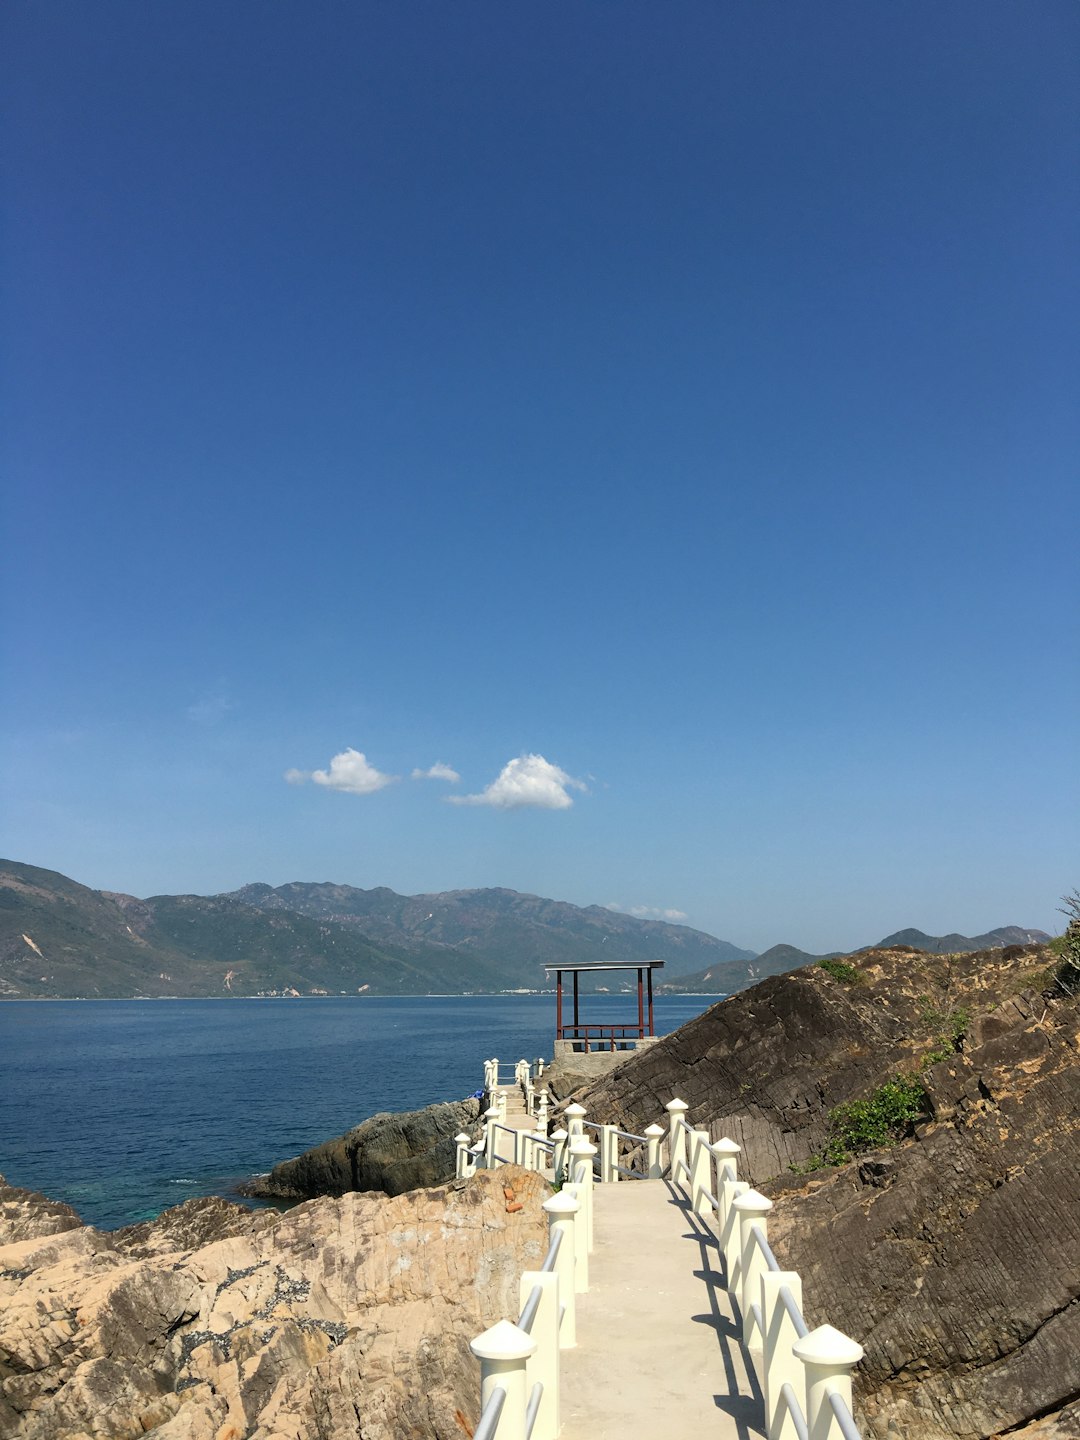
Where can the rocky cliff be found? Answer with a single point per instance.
(954, 1257)
(342, 1317)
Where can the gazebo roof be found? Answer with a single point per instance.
(591, 965)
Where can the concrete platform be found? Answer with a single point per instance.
(659, 1352)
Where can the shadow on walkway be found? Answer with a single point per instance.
(744, 1401)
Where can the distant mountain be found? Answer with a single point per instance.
(733, 975)
(956, 944)
(59, 938)
(501, 927)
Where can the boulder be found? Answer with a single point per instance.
(389, 1152)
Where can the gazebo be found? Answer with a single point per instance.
(580, 1037)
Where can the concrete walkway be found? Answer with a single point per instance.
(658, 1346)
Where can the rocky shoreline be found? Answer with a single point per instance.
(343, 1315)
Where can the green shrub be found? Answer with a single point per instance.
(839, 970)
(949, 1028)
(883, 1118)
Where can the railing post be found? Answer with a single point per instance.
(503, 1352)
(501, 1103)
(676, 1110)
(581, 1245)
(461, 1167)
(491, 1115)
(654, 1134)
(575, 1120)
(609, 1155)
(494, 1076)
(542, 1111)
(700, 1173)
(730, 1238)
(562, 1211)
(539, 1066)
(543, 1365)
(560, 1140)
(751, 1207)
(828, 1357)
(779, 1365)
(581, 1166)
(724, 1152)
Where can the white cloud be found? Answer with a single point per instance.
(438, 771)
(528, 780)
(649, 912)
(349, 772)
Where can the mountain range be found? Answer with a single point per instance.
(61, 939)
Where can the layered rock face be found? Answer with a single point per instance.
(389, 1152)
(954, 1258)
(342, 1317)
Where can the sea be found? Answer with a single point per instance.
(123, 1108)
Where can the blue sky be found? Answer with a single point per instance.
(674, 404)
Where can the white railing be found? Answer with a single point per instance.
(519, 1363)
(806, 1374)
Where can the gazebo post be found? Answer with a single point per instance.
(558, 1005)
(652, 1030)
(640, 1004)
(576, 1036)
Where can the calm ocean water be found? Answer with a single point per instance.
(125, 1107)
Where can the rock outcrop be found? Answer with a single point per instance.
(390, 1152)
(340, 1317)
(954, 1258)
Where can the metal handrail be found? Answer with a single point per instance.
(844, 1419)
(795, 1410)
(489, 1419)
(553, 1253)
(794, 1313)
(630, 1174)
(529, 1309)
(626, 1135)
(763, 1245)
(533, 1408)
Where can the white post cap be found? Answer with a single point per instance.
(582, 1147)
(575, 1109)
(561, 1204)
(463, 1139)
(655, 1130)
(676, 1107)
(559, 1134)
(827, 1346)
(503, 1341)
(724, 1148)
(491, 1110)
(752, 1202)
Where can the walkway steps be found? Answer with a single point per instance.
(658, 1344)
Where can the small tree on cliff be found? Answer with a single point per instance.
(1069, 973)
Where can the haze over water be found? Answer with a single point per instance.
(123, 1108)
